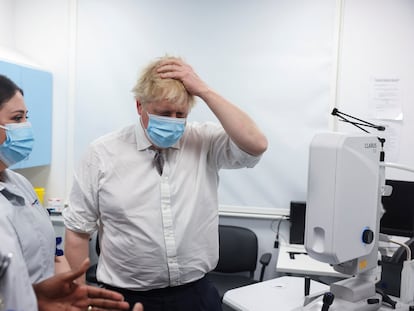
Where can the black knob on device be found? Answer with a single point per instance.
(327, 300)
(367, 236)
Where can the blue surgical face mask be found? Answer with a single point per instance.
(18, 144)
(164, 131)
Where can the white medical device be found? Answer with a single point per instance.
(345, 181)
(342, 199)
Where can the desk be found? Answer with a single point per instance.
(302, 264)
(283, 294)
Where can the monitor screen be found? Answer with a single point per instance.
(297, 222)
(398, 218)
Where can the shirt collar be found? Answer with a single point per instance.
(8, 184)
(4, 181)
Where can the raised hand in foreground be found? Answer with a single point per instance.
(60, 292)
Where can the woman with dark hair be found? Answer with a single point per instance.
(27, 250)
(30, 220)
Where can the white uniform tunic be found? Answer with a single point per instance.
(31, 222)
(16, 291)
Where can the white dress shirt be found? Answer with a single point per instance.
(155, 231)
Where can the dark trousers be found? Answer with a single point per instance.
(200, 295)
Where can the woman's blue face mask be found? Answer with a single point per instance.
(165, 131)
(18, 144)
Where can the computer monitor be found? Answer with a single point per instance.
(398, 218)
(297, 222)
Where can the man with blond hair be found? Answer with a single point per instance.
(150, 190)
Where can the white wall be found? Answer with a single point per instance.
(377, 43)
(6, 22)
(273, 58)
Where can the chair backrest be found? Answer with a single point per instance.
(401, 253)
(238, 249)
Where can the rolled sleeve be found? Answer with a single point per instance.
(226, 153)
(77, 219)
(244, 158)
(81, 215)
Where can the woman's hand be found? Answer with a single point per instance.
(60, 292)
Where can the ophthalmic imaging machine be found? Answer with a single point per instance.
(346, 180)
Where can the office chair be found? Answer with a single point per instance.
(401, 253)
(390, 282)
(238, 252)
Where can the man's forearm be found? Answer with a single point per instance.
(237, 124)
(76, 250)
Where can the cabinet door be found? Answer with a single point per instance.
(11, 71)
(37, 87)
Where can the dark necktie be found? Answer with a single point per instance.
(158, 161)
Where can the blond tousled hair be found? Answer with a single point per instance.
(150, 87)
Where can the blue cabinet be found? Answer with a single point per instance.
(37, 87)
